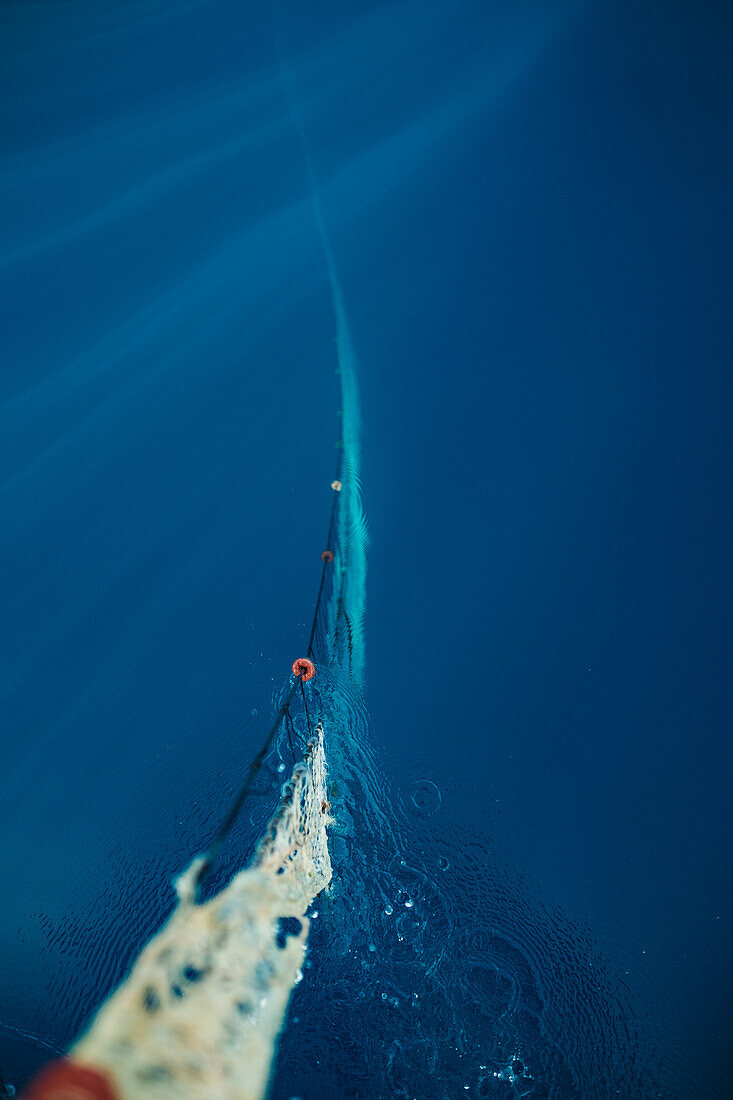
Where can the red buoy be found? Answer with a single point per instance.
(64, 1080)
(327, 555)
(304, 668)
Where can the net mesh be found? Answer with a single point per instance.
(200, 1012)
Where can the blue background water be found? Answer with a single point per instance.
(528, 206)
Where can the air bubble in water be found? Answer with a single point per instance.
(425, 797)
(389, 910)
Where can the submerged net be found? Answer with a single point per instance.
(199, 1015)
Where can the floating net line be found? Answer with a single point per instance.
(199, 1015)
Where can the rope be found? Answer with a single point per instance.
(238, 801)
(292, 730)
(309, 651)
(213, 851)
(289, 727)
(305, 705)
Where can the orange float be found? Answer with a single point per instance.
(304, 668)
(65, 1080)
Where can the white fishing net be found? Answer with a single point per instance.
(199, 1015)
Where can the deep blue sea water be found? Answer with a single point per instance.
(528, 207)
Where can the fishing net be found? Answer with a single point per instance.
(199, 1015)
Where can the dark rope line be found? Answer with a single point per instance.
(333, 503)
(288, 725)
(309, 651)
(305, 705)
(233, 812)
(292, 729)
